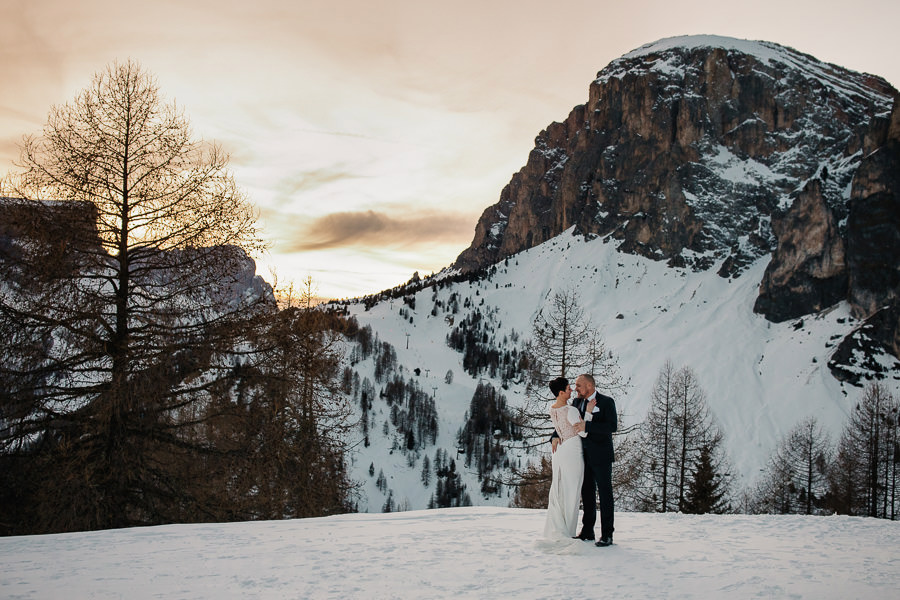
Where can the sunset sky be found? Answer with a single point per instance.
(369, 134)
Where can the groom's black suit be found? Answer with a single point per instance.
(597, 448)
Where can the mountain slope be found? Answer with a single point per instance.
(727, 204)
(760, 378)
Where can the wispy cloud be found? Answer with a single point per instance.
(288, 187)
(371, 228)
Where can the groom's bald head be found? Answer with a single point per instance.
(585, 385)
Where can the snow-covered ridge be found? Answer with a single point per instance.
(738, 128)
(765, 51)
(770, 54)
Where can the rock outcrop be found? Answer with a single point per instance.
(873, 228)
(873, 242)
(808, 269)
(686, 150)
(712, 152)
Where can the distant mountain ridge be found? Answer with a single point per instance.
(74, 224)
(707, 151)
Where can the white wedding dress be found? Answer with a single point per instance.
(565, 488)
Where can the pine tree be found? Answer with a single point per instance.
(389, 503)
(130, 290)
(658, 437)
(707, 491)
(775, 492)
(809, 453)
(846, 478)
(794, 480)
(364, 418)
(561, 338)
(426, 471)
(694, 425)
(563, 343)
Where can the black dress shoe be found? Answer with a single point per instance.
(587, 537)
(604, 541)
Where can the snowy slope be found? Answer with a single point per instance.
(462, 553)
(760, 378)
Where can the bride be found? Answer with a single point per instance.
(568, 465)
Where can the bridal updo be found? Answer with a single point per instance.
(558, 385)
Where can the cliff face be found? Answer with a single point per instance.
(46, 231)
(808, 271)
(713, 152)
(686, 150)
(40, 241)
(873, 247)
(873, 240)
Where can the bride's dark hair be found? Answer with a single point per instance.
(558, 385)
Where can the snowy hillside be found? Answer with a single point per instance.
(462, 553)
(760, 378)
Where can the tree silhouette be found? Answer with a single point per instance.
(128, 320)
(794, 480)
(563, 344)
(678, 429)
(658, 445)
(707, 491)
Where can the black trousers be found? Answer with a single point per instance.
(597, 481)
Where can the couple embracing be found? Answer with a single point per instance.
(582, 462)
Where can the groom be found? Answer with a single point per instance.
(597, 448)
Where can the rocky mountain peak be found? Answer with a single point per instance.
(685, 150)
(706, 152)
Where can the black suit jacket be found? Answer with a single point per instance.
(598, 446)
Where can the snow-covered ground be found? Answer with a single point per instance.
(475, 552)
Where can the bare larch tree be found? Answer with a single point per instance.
(127, 316)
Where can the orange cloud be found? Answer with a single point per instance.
(371, 228)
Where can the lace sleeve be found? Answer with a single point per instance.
(561, 418)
